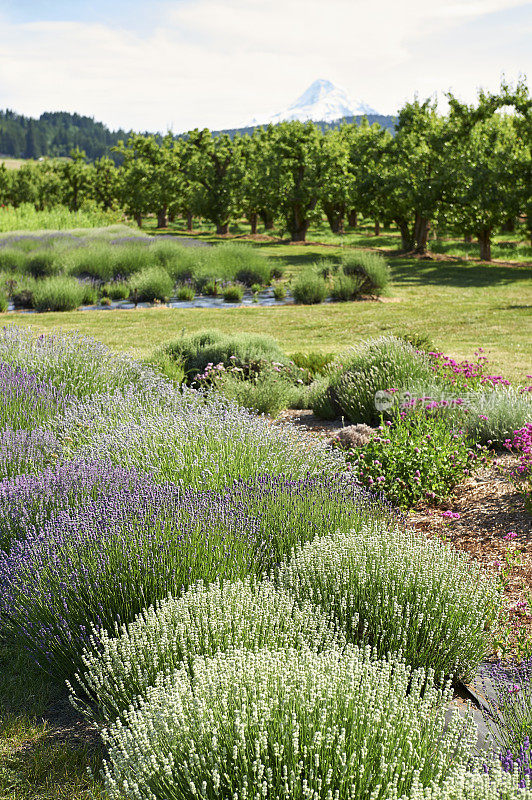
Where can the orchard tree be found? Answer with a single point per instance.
(415, 172)
(77, 179)
(215, 166)
(489, 179)
(23, 185)
(368, 146)
(296, 175)
(336, 178)
(106, 183)
(5, 185)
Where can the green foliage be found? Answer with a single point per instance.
(309, 288)
(3, 302)
(42, 264)
(153, 283)
(400, 592)
(345, 287)
(116, 290)
(250, 352)
(266, 393)
(233, 293)
(279, 291)
(12, 260)
(315, 362)
(185, 292)
(370, 270)
(417, 457)
(374, 366)
(26, 217)
(290, 723)
(58, 293)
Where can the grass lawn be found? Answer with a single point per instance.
(458, 305)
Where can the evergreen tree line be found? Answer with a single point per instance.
(468, 171)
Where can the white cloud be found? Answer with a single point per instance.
(220, 62)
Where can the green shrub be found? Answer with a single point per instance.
(249, 351)
(170, 367)
(239, 262)
(116, 290)
(279, 291)
(256, 287)
(233, 294)
(287, 724)
(95, 261)
(13, 260)
(105, 301)
(277, 270)
(316, 363)
(374, 366)
(22, 296)
(185, 292)
(309, 288)
(370, 269)
(60, 293)
(417, 457)
(321, 401)
(179, 261)
(152, 284)
(3, 302)
(89, 294)
(345, 287)
(247, 614)
(400, 592)
(266, 393)
(211, 288)
(42, 264)
(420, 341)
(129, 259)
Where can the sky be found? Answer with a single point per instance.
(179, 64)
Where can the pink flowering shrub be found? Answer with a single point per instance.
(521, 475)
(416, 458)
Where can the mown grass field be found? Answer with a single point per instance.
(458, 305)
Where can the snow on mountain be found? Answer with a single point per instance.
(321, 102)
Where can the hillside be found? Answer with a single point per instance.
(57, 133)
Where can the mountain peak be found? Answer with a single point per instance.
(321, 102)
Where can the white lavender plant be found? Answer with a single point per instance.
(286, 724)
(246, 614)
(400, 592)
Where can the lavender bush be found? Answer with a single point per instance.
(286, 724)
(247, 614)
(400, 592)
(26, 400)
(509, 713)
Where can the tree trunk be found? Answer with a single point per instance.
(509, 226)
(468, 238)
(190, 222)
(377, 228)
(171, 216)
(253, 218)
(335, 220)
(222, 228)
(421, 234)
(267, 219)
(138, 220)
(407, 240)
(162, 221)
(298, 226)
(484, 239)
(352, 219)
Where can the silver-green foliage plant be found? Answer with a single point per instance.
(309, 288)
(153, 283)
(373, 366)
(370, 270)
(58, 293)
(246, 614)
(483, 779)
(286, 724)
(400, 592)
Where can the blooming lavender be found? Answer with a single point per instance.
(286, 724)
(508, 711)
(30, 501)
(26, 451)
(26, 400)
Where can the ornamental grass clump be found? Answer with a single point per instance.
(286, 723)
(26, 400)
(153, 283)
(370, 270)
(309, 288)
(400, 593)
(246, 614)
(58, 293)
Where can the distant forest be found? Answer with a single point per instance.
(56, 133)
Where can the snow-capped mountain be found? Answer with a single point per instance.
(321, 102)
